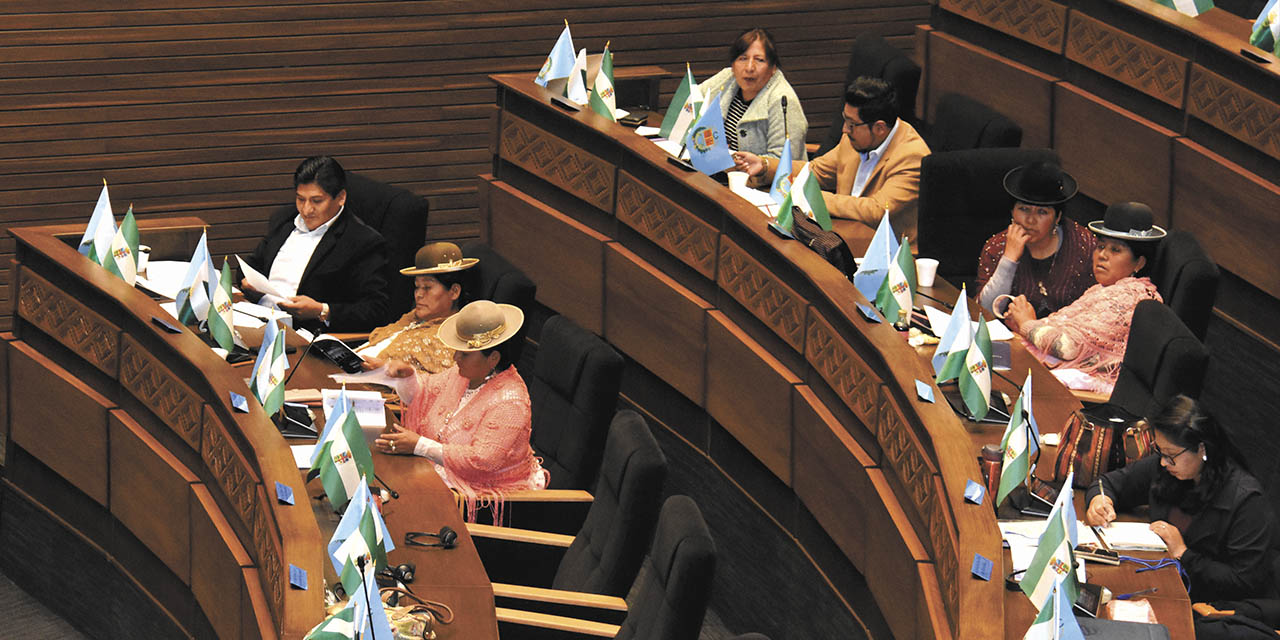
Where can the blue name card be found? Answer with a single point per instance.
(284, 493)
(297, 577)
(981, 566)
(239, 403)
(973, 492)
(924, 391)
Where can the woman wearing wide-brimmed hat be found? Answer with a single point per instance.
(440, 287)
(1089, 335)
(472, 420)
(1042, 255)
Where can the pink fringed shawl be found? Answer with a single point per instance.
(486, 443)
(1090, 334)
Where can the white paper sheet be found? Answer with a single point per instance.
(404, 387)
(170, 308)
(257, 281)
(938, 319)
(1024, 535)
(164, 277)
(756, 197)
(302, 455)
(247, 314)
(648, 131)
(369, 405)
(671, 147)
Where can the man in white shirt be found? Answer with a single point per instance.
(329, 265)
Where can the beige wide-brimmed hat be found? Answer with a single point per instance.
(438, 257)
(481, 325)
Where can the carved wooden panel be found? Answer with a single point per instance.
(1236, 110)
(1039, 22)
(266, 546)
(236, 479)
(154, 384)
(1133, 61)
(841, 367)
(66, 320)
(667, 224)
(557, 161)
(762, 293)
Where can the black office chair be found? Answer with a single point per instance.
(872, 56)
(574, 394)
(1187, 280)
(751, 636)
(964, 123)
(498, 280)
(963, 203)
(1161, 359)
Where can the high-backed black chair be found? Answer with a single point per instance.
(751, 636)
(963, 203)
(873, 56)
(1161, 359)
(574, 393)
(1187, 280)
(498, 280)
(964, 123)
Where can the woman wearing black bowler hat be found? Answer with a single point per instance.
(1042, 256)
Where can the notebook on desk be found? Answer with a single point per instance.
(1122, 536)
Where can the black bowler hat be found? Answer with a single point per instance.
(1127, 221)
(1041, 183)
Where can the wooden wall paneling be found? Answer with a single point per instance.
(1116, 155)
(762, 293)
(556, 160)
(5, 339)
(956, 66)
(67, 320)
(1119, 55)
(149, 380)
(74, 448)
(570, 275)
(1240, 112)
(667, 224)
(749, 393)
(217, 579)
(256, 623)
(149, 493)
(656, 321)
(1240, 237)
(1040, 22)
(921, 57)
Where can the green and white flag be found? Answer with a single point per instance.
(684, 110)
(603, 101)
(122, 257)
(192, 300)
(267, 381)
(975, 379)
(101, 229)
(342, 459)
(957, 340)
(1191, 8)
(1266, 29)
(806, 193)
(1019, 444)
(366, 541)
(1056, 620)
(220, 321)
(1054, 560)
(338, 626)
(899, 286)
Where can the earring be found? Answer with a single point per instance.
(1204, 458)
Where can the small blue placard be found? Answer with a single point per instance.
(981, 567)
(298, 577)
(924, 391)
(239, 403)
(284, 493)
(973, 492)
(869, 313)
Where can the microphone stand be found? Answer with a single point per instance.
(282, 418)
(394, 494)
(362, 561)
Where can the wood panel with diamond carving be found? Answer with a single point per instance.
(1247, 116)
(1137, 63)
(667, 224)
(142, 375)
(841, 367)
(762, 293)
(235, 477)
(567, 166)
(1039, 22)
(68, 321)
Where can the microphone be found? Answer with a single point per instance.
(785, 132)
(300, 359)
(394, 494)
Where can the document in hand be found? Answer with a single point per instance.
(257, 281)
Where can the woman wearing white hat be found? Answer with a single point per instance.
(472, 420)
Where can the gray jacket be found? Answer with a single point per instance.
(760, 129)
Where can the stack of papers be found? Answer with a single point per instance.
(938, 320)
(1124, 536)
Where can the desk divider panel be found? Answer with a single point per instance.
(216, 576)
(1240, 112)
(1040, 22)
(1153, 70)
(667, 224)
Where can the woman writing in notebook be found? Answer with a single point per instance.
(1209, 511)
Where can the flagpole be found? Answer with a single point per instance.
(362, 561)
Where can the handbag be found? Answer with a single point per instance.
(416, 621)
(827, 244)
(1098, 440)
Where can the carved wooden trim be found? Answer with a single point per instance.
(762, 293)
(1040, 22)
(841, 367)
(236, 479)
(1137, 63)
(267, 551)
(667, 224)
(66, 320)
(555, 160)
(142, 375)
(1239, 112)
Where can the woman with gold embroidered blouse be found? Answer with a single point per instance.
(441, 280)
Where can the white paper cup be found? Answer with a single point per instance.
(144, 256)
(737, 180)
(926, 270)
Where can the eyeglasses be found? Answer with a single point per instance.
(851, 125)
(1169, 457)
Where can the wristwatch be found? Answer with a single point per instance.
(324, 312)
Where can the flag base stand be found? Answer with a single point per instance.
(998, 413)
(294, 421)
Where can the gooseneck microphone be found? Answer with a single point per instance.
(785, 131)
(395, 495)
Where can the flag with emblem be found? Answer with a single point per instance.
(785, 221)
(338, 626)
(559, 61)
(708, 147)
(98, 235)
(356, 619)
(782, 177)
(806, 193)
(576, 89)
(361, 532)
(603, 101)
(192, 300)
(875, 262)
(1056, 620)
(267, 381)
(1266, 29)
(899, 287)
(954, 341)
(685, 107)
(1054, 560)
(1020, 443)
(122, 257)
(220, 326)
(975, 379)
(341, 457)
(1191, 8)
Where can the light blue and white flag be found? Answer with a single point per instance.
(875, 263)
(954, 339)
(1056, 620)
(1266, 29)
(192, 300)
(782, 177)
(361, 534)
(267, 381)
(576, 89)
(98, 235)
(369, 624)
(559, 61)
(708, 147)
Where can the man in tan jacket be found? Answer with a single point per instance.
(875, 167)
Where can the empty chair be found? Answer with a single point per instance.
(1161, 359)
(498, 280)
(1187, 280)
(965, 123)
(574, 393)
(873, 56)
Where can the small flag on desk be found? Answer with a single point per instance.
(875, 262)
(975, 379)
(192, 300)
(357, 619)
(101, 230)
(954, 341)
(603, 101)
(1054, 562)
(782, 176)
(708, 147)
(1056, 620)
(806, 193)
(361, 532)
(899, 287)
(685, 107)
(336, 627)
(342, 457)
(220, 322)
(1191, 8)
(122, 260)
(576, 89)
(559, 61)
(1020, 442)
(267, 381)
(1266, 29)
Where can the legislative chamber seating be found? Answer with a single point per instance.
(1161, 359)
(1187, 280)
(964, 123)
(498, 280)
(873, 56)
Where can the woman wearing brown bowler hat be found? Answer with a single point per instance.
(473, 420)
(1042, 255)
(440, 288)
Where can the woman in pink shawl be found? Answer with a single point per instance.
(1084, 342)
(471, 420)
